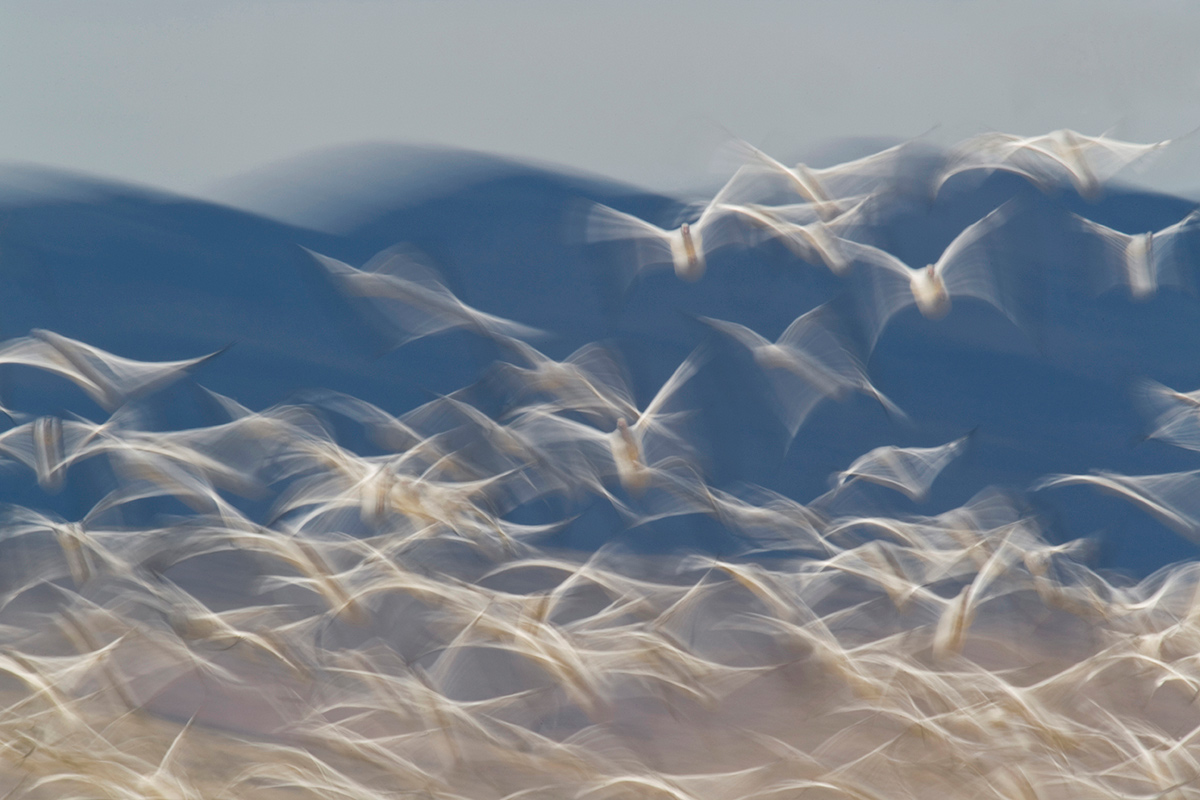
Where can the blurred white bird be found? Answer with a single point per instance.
(950, 633)
(1141, 261)
(964, 268)
(590, 381)
(49, 446)
(908, 470)
(82, 552)
(1173, 498)
(1176, 414)
(815, 241)
(108, 379)
(824, 187)
(1086, 162)
(634, 450)
(685, 248)
(410, 296)
(808, 363)
(627, 443)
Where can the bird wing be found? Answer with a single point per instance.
(887, 289)
(988, 151)
(795, 389)
(656, 430)
(868, 174)
(968, 266)
(682, 374)
(909, 470)
(385, 430)
(825, 366)
(651, 245)
(31, 351)
(606, 224)
(1106, 156)
(753, 156)
(1112, 266)
(805, 213)
(762, 175)
(742, 185)
(764, 225)
(795, 396)
(118, 379)
(718, 227)
(400, 309)
(605, 378)
(1174, 259)
(1096, 158)
(1172, 498)
(878, 258)
(412, 301)
(717, 224)
(1176, 414)
(739, 333)
(814, 242)
(968, 244)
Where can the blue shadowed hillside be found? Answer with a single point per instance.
(157, 277)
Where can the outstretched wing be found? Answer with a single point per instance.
(986, 152)
(1105, 156)
(866, 175)
(411, 302)
(650, 244)
(1173, 498)
(970, 266)
(1174, 258)
(1176, 414)
(883, 289)
(909, 470)
(1109, 258)
(110, 379)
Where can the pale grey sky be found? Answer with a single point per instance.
(183, 94)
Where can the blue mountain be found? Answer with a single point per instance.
(154, 276)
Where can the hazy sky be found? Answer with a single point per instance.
(182, 94)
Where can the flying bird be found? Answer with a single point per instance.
(108, 379)
(1173, 498)
(410, 299)
(824, 187)
(49, 446)
(1086, 162)
(641, 442)
(1141, 261)
(964, 268)
(1176, 414)
(816, 241)
(684, 248)
(590, 381)
(909, 470)
(808, 363)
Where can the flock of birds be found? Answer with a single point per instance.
(329, 599)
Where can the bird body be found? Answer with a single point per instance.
(930, 292)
